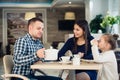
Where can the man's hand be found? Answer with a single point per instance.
(40, 53)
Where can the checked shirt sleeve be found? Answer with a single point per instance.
(21, 54)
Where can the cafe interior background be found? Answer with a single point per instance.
(58, 16)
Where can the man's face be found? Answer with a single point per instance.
(36, 29)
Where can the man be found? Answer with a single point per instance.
(28, 50)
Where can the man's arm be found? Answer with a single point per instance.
(21, 57)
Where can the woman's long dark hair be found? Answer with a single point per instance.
(83, 24)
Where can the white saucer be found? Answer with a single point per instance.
(65, 62)
(86, 60)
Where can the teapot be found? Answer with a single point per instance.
(51, 54)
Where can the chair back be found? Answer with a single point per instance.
(8, 63)
(60, 45)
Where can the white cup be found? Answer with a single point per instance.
(76, 55)
(76, 60)
(65, 59)
(51, 54)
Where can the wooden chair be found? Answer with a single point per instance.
(60, 45)
(8, 65)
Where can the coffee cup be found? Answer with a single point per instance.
(76, 60)
(64, 59)
(76, 56)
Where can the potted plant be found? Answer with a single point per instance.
(108, 22)
(95, 24)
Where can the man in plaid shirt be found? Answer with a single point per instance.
(28, 50)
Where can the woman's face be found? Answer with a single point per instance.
(78, 32)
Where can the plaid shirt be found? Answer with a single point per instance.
(25, 54)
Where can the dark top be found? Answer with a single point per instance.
(80, 48)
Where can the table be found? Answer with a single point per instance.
(68, 66)
(57, 65)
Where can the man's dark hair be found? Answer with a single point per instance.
(34, 20)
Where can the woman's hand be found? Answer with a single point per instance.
(81, 54)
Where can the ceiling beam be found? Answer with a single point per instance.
(25, 5)
(54, 3)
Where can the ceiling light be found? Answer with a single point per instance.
(29, 15)
(69, 16)
(70, 2)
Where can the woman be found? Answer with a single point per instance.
(80, 44)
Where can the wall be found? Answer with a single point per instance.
(0, 25)
(93, 8)
(114, 10)
(53, 15)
